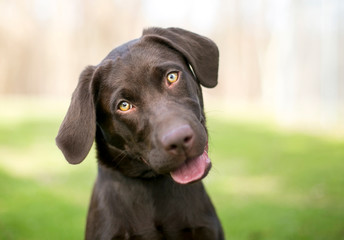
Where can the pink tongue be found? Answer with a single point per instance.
(192, 170)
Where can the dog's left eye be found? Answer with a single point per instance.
(124, 106)
(172, 77)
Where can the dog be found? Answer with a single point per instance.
(143, 107)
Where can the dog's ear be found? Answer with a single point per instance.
(77, 131)
(201, 52)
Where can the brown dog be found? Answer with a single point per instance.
(143, 106)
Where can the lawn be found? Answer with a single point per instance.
(266, 183)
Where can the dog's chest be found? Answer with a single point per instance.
(152, 212)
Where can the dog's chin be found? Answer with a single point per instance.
(183, 170)
(192, 169)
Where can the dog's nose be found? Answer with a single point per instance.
(178, 140)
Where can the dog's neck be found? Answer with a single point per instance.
(160, 186)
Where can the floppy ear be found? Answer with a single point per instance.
(77, 131)
(201, 53)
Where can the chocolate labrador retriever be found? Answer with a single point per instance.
(143, 107)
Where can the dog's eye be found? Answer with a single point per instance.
(172, 77)
(124, 106)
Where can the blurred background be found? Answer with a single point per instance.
(281, 58)
(276, 118)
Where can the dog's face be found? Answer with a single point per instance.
(144, 106)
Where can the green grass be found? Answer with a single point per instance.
(266, 183)
(271, 184)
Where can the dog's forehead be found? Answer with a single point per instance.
(143, 52)
(139, 58)
(151, 50)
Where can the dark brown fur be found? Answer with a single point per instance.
(134, 196)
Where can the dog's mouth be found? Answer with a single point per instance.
(193, 169)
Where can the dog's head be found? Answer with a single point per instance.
(143, 105)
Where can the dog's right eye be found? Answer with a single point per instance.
(172, 77)
(124, 106)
